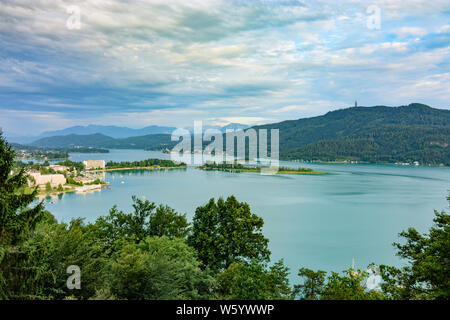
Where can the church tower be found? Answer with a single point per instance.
(356, 103)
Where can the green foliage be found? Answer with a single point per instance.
(79, 166)
(17, 221)
(158, 268)
(96, 181)
(427, 275)
(30, 152)
(227, 232)
(349, 286)
(16, 218)
(72, 181)
(376, 134)
(223, 166)
(143, 164)
(146, 220)
(254, 281)
(165, 221)
(58, 246)
(312, 286)
(85, 150)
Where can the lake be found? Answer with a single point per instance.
(316, 221)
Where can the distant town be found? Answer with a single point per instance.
(81, 177)
(57, 178)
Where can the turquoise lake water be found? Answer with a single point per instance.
(320, 222)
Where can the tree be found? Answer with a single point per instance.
(254, 281)
(16, 217)
(427, 275)
(145, 220)
(349, 286)
(56, 246)
(17, 221)
(165, 221)
(227, 232)
(158, 268)
(313, 284)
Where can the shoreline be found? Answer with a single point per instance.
(137, 168)
(365, 162)
(78, 189)
(259, 171)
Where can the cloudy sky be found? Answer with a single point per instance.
(137, 63)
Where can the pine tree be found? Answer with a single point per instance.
(17, 221)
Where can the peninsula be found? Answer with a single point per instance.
(236, 167)
(149, 164)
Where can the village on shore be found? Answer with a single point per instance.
(88, 176)
(57, 178)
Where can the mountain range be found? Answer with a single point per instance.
(415, 132)
(112, 131)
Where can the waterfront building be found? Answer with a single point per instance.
(94, 164)
(41, 180)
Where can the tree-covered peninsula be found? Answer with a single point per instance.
(238, 167)
(145, 164)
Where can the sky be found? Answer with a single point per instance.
(139, 63)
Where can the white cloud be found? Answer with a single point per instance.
(175, 61)
(410, 31)
(243, 120)
(289, 108)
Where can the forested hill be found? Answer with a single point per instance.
(415, 132)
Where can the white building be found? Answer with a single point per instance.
(42, 179)
(94, 164)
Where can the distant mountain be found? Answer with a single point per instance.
(415, 132)
(97, 140)
(111, 131)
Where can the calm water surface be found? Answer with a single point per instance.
(321, 222)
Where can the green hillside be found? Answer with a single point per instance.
(374, 134)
